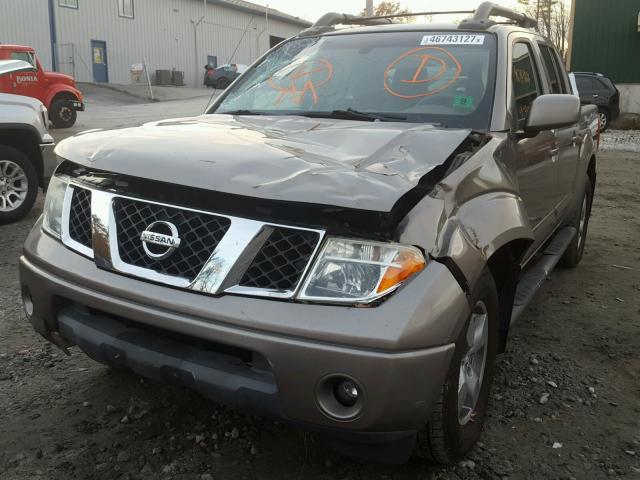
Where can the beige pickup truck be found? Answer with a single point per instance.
(342, 241)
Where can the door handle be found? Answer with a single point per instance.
(595, 95)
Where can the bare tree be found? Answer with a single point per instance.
(390, 8)
(553, 19)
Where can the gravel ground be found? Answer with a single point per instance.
(565, 402)
(621, 140)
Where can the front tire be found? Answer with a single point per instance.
(458, 416)
(18, 185)
(223, 83)
(63, 114)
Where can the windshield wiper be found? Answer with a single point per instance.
(241, 112)
(351, 114)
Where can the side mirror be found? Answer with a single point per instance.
(552, 111)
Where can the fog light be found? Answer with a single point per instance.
(346, 393)
(340, 397)
(27, 301)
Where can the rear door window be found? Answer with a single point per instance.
(550, 68)
(563, 78)
(585, 84)
(601, 84)
(525, 80)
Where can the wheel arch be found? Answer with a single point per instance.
(60, 93)
(592, 172)
(26, 141)
(505, 266)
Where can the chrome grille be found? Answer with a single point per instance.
(215, 253)
(282, 260)
(80, 217)
(200, 234)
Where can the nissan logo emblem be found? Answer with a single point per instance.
(160, 239)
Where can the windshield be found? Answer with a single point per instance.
(443, 78)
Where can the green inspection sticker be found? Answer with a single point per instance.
(462, 101)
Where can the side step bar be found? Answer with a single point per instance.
(535, 276)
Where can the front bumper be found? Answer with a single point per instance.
(398, 352)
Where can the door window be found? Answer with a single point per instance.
(28, 57)
(584, 84)
(525, 80)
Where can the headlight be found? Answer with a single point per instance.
(53, 202)
(358, 271)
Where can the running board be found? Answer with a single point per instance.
(535, 276)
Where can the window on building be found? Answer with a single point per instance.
(28, 57)
(125, 8)
(68, 3)
(525, 80)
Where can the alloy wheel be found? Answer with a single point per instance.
(603, 120)
(13, 186)
(583, 222)
(473, 363)
(66, 113)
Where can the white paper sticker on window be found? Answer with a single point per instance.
(453, 39)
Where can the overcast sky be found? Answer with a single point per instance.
(313, 9)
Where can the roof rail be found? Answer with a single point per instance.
(329, 20)
(481, 19)
(332, 18)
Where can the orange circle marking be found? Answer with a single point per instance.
(305, 69)
(425, 58)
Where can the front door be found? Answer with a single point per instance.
(99, 59)
(535, 157)
(28, 83)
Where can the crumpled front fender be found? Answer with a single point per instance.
(471, 214)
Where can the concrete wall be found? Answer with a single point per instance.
(161, 32)
(629, 97)
(26, 22)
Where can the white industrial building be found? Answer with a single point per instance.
(99, 40)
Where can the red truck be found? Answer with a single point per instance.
(57, 91)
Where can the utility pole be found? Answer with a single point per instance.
(195, 42)
(369, 8)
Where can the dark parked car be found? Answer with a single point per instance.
(596, 89)
(222, 76)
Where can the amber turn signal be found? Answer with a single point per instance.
(406, 263)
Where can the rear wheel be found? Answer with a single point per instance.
(63, 114)
(575, 250)
(605, 118)
(456, 422)
(18, 185)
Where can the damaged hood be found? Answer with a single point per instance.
(352, 164)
